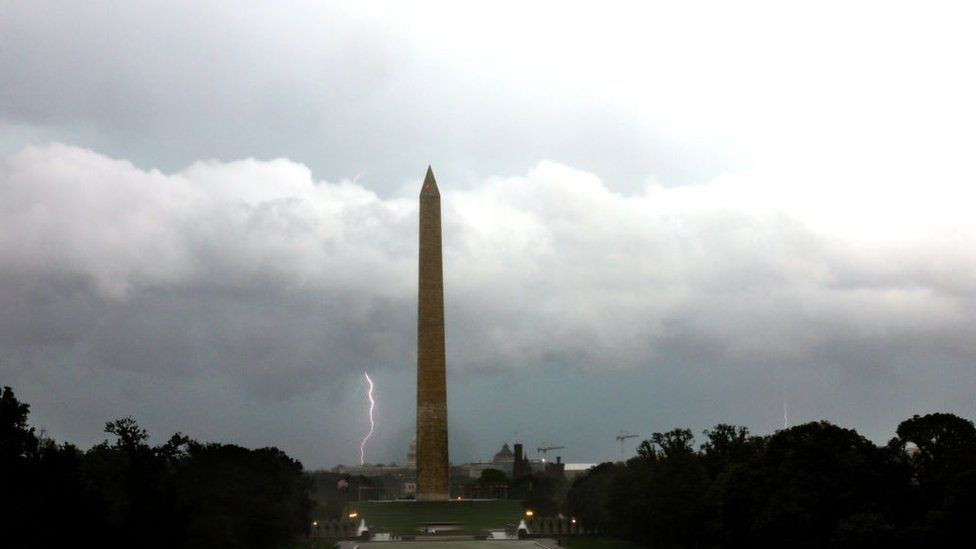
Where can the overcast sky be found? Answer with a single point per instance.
(655, 216)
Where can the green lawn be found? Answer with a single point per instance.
(595, 542)
(578, 542)
(404, 517)
(314, 544)
(440, 544)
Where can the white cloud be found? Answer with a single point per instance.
(74, 212)
(549, 266)
(255, 280)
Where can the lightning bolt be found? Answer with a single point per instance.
(786, 415)
(372, 423)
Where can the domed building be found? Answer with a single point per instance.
(504, 461)
(504, 457)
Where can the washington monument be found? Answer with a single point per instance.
(433, 482)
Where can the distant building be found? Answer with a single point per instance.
(573, 470)
(521, 466)
(503, 461)
(412, 454)
(369, 470)
(556, 469)
(514, 464)
(396, 481)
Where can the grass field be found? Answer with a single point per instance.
(314, 544)
(581, 542)
(596, 542)
(403, 518)
(440, 544)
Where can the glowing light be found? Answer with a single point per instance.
(529, 513)
(353, 515)
(372, 423)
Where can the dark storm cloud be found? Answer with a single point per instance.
(264, 291)
(248, 291)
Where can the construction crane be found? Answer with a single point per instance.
(621, 438)
(546, 449)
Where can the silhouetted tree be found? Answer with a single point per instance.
(943, 468)
(813, 485)
(18, 464)
(539, 492)
(492, 476)
(237, 497)
(132, 484)
(43, 500)
(588, 497)
(658, 498)
(17, 439)
(726, 446)
(126, 492)
(806, 482)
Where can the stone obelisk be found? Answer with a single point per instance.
(433, 480)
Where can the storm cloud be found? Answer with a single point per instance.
(247, 298)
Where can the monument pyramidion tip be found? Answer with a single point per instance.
(430, 185)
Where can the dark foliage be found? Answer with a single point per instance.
(813, 485)
(539, 493)
(237, 497)
(587, 498)
(127, 493)
(661, 491)
(493, 476)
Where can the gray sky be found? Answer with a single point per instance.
(655, 216)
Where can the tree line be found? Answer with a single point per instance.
(812, 485)
(125, 492)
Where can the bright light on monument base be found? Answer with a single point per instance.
(372, 423)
